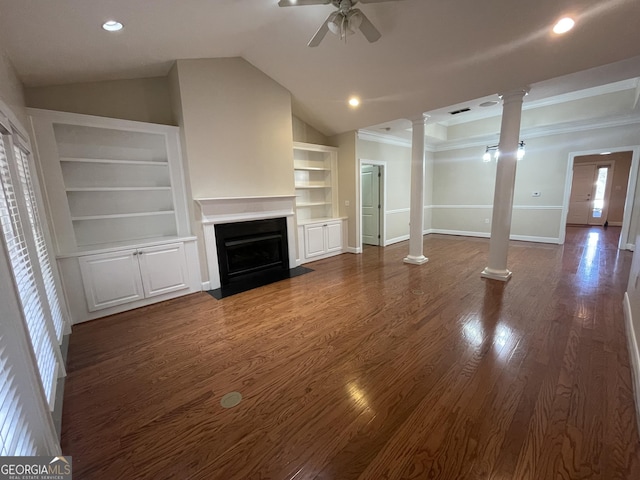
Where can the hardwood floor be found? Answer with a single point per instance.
(369, 368)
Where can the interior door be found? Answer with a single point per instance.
(370, 184)
(581, 191)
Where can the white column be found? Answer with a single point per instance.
(416, 229)
(505, 183)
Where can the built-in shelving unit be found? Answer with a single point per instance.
(315, 169)
(116, 201)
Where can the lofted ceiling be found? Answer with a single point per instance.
(433, 53)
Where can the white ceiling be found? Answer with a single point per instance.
(432, 54)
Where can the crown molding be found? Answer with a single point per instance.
(544, 131)
(383, 138)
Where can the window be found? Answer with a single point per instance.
(33, 318)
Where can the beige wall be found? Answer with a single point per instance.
(237, 129)
(621, 167)
(461, 178)
(303, 132)
(11, 91)
(143, 99)
(347, 167)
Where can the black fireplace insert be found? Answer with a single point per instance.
(249, 250)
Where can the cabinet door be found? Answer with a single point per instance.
(111, 279)
(314, 241)
(334, 236)
(163, 269)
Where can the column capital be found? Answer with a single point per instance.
(516, 94)
(419, 119)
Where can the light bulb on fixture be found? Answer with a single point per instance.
(520, 152)
(487, 156)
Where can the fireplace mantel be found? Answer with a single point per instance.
(212, 211)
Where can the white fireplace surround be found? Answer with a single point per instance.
(242, 209)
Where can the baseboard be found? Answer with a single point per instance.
(391, 241)
(630, 246)
(206, 286)
(353, 250)
(521, 238)
(615, 224)
(634, 353)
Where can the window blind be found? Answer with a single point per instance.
(45, 346)
(15, 432)
(22, 162)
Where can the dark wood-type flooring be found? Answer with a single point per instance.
(368, 368)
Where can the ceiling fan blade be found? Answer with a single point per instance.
(370, 32)
(295, 3)
(320, 34)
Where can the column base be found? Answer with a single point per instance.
(415, 260)
(502, 275)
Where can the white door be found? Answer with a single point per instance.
(111, 279)
(370, 185)
(163, 269)
(314, 240)
(334, 236)
(581, 191)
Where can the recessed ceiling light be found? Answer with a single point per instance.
(605, 153)
(564, 25)
(112, 26)
(354, 101)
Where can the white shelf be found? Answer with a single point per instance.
(121, 215)
(115, 189)
(313, 169)
(312, 186)
(312, 204)
(115, 162)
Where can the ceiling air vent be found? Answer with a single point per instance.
(462, 110)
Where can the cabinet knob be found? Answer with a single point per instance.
(325, 225)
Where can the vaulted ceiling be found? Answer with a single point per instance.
(432, 53)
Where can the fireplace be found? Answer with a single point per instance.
(214, 212)
(248, 250)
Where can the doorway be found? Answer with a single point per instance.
(370, 184)
(600, 190)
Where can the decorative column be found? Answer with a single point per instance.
(416, 229)
(505, 183)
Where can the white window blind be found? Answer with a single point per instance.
(34, 306)
(22, 162)
(15, 434)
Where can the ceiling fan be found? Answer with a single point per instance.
(344, 21)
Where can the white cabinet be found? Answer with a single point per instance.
(321, 240)
(117, 278)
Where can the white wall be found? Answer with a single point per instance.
(237, 129)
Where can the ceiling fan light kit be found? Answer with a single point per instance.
(343, 22)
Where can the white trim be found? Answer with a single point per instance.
(520, 238)
(313, 147)
(397, 211)
(370, 136)
(515, 207)
(353, 250)
(615, 224)
(206, 286)
(402, 238)
(543, 131)
(634, 353)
